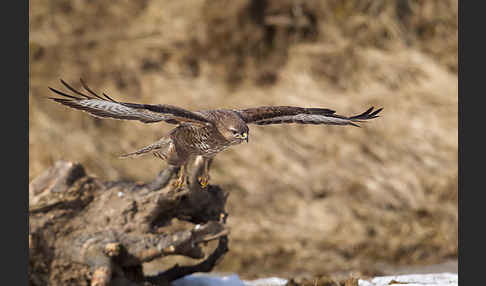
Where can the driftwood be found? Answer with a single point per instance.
(87, 232)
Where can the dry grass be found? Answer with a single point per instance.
(304, 199)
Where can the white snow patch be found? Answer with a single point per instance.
(436, 279)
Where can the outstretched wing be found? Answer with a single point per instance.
(290, 114)
(107, 107)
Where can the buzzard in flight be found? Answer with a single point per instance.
(200, 133)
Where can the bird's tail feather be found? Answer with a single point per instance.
(154, 148)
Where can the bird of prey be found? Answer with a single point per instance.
(199, 133)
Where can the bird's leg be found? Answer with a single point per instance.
(204, 178)
(179, 183)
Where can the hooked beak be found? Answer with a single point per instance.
(244, 136)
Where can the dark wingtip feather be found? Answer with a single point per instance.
(108, 97)
(374, 114)
(362, 115)
(62, 81)
(64, 101)
(63, 94)
(368, 114)
(74, 90)
(85, 86)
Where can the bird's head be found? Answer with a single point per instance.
(231, 126)
(239, 133)
(234, 131)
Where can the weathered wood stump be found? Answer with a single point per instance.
(87, 232)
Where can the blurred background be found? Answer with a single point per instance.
(304, 199)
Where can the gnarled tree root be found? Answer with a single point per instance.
(88, 232)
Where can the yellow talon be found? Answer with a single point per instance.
(179, 183)
(204, 178)
(203, 181)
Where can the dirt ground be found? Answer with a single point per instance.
(304, 200)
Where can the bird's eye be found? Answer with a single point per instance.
(234, 131)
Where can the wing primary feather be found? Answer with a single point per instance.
(362, 115)
(109, 98)
(63, 94)
(106, 106)
(85, 86)
(322, 116)
(74, 90)
(374, 114)
(368, 114)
